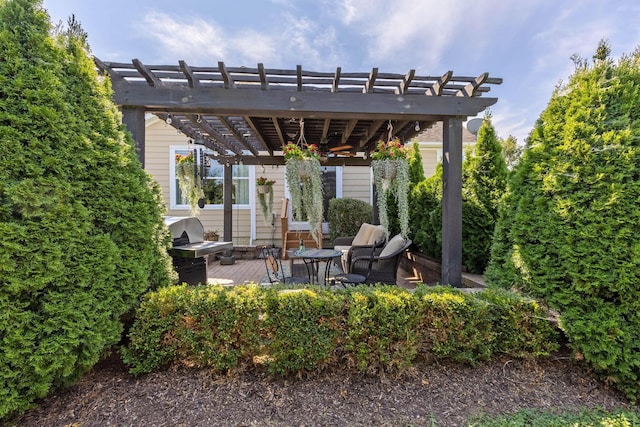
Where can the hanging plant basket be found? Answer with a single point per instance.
(392, 175)
(264, 187)
(305, 186)
(189, 182)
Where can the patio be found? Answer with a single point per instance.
(253, 270)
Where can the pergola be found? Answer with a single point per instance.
(247, 114)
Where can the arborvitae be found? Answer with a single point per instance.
(569, 225)
(81, 222)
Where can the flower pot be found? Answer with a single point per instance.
(306, 169)
(390, 170)
(264, 189)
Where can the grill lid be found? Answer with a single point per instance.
(185, 224)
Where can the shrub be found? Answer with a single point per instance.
(198, 326)
(347, 215)
(381, 329)
(302, 327)
(294, 331)
(568, 228)
(82, 232)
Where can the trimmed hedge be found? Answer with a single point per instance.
(369, 329)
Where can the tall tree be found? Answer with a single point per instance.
(83, 235)
(568, 226)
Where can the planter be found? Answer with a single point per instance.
(264, 189)
(390, 171)
(305, 168)
(429, 270)
(426, 270)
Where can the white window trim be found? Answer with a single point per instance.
(180, 206)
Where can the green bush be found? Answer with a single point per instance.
(81, 222)
(382, 329)
(484, 182)
(294, 331)
(425, 211)
(569, 226)
(197, 326)
(347, 215)
(302, 327)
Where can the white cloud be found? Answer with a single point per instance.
(193, 41)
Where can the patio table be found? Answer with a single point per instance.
(312, 259)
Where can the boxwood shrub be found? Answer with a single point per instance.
(373, 329)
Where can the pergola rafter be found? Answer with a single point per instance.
(248, 114)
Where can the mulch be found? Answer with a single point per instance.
(442, 394)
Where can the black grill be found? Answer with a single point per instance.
(190, 249)
(192, 271)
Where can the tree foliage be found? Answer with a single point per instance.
(569, 225)
(484, 181)
(82, 231)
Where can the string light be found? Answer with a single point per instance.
(169, 120)
(417, 128)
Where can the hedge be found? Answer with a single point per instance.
(294, 331)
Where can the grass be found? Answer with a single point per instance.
(537, 418)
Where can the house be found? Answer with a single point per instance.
(249, 227)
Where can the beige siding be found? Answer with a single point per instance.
(356, 183)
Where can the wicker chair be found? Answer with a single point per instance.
(368, 236)
(382, 267)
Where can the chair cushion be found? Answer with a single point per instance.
(362, 237)
(378, 234)
(394, 245)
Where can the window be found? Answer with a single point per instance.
(213, 180)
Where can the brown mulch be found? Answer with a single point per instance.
(441, 394)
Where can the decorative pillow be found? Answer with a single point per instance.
(362, 238)
(377, 234)
(394, 245)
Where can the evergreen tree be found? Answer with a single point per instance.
(568, 226)
(511, 151)
(486, 170)
(83, 235)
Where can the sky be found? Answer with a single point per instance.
(527, 43)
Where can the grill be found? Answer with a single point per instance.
(189, 248)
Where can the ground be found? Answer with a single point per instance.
(442, 394)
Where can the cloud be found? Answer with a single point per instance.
(192, 40)
(299, 39)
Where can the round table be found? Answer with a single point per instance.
(313, 257)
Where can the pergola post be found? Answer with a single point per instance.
(452, 202)
(133, 119)
(228, 202)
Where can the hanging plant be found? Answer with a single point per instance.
(391, 175)
(305, 185)
(189, 180)
(264, 187)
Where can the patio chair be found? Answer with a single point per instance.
(368, 236)
(275, 272)
(356, 279)
(382, 265)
